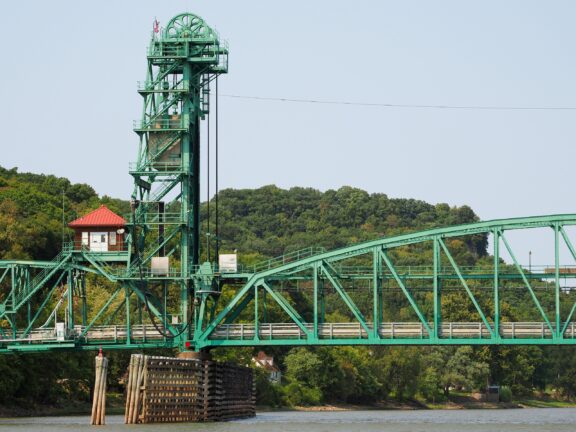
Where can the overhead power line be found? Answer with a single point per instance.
(409, 106)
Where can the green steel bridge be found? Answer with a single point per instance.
(194, 305)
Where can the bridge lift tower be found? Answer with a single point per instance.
(183, 60)
(159, 270)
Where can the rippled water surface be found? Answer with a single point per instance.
(560, 419)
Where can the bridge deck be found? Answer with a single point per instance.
(291, 334)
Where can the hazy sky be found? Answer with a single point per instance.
(69, 73)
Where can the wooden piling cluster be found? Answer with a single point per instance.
(169, 390)
(99, 397)
(133, 387)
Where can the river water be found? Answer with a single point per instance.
(538, 419)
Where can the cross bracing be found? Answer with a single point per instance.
(357, 295)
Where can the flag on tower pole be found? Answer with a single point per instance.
(156, 26)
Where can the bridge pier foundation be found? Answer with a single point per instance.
(188, 388)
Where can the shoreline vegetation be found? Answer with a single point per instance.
(268, 222)
(115, 406)
(455, 403)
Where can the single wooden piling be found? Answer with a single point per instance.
(129, 388)
(96, 390)
(138, 390)
(104, 386)
(98, 416)
(132, 390)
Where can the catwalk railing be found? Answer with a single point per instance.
(328, 333)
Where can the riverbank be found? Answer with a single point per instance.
(459, 402)
(115, 406)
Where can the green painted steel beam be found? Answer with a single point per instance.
(384, 342)
(407, 294)
(465, 285)
(526, 282)
(422, 237)
(287, 307)
(344, 296)
(182, 62)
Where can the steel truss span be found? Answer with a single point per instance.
(158, 294)
(235, 309)
(369, 268)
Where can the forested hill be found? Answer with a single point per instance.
(271, 221)
(31, 212)
(263, 222)
(268, 222)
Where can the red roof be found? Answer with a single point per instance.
(102, 216)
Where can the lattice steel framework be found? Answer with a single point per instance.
(481, 285)
(182, 62)
(188, 305)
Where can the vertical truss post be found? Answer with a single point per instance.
(196, 194)
(573, 253)
(315, 276)
(264, 308)
(29, 307)
(139, 307)
(215, 303)
(82, 277)
(557, 278)
(568, 242)
(187, 207)
(256, 315)
(128, 324)
(184, 313)
(496, 234)
(28, 312)
(377, 298)
(14, 280)
(527, 283)
(200, 311)
(12, 321)
(70, 299)
(437, 290)
(322, 300)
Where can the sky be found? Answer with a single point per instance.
(69, 71)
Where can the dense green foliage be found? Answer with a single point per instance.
(31, 212)
(264, 223)
(270, 221)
